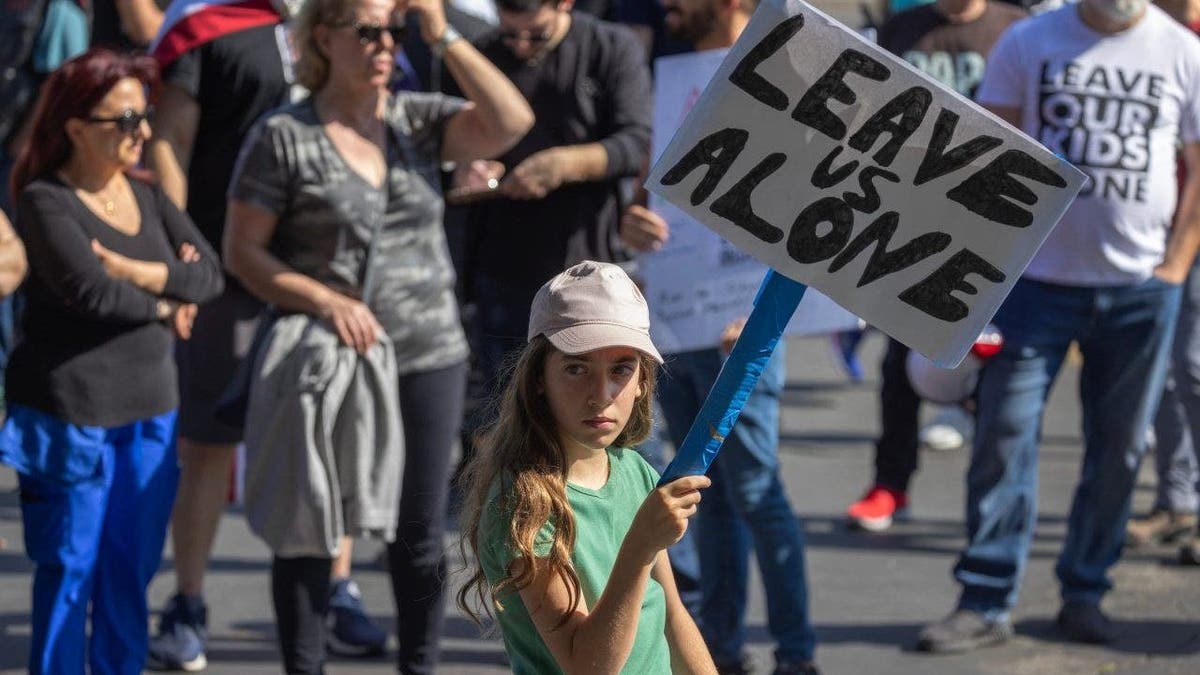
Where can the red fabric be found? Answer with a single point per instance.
(210, 23)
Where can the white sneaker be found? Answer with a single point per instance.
(941, 438)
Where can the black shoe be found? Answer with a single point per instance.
(796, 668)
(962, 631)
(1083, 621)
(182, 636)
(1189, 552)
(745, 666)
(351, 632)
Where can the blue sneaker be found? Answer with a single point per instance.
(182, 636)
(351, 632)
(845, 346)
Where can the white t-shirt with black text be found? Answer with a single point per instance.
(1116, 106)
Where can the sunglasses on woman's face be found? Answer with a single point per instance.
(129, 121)
(368, 33)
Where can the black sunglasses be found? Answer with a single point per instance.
(368, 33)
(129, 121)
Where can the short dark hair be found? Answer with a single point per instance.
(522, 6)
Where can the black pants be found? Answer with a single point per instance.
(896, 449)
(300, 592)
(432, 406)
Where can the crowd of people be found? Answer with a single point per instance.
(352, 235)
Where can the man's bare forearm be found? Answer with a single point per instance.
(162, 158)
(583, 163)
(140, 20)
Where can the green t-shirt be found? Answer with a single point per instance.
(602, 517)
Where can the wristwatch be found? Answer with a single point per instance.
(449, 37)
(163, 309)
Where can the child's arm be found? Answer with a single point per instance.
(600, 640)
(689, 655)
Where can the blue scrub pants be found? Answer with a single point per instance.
(96, 539)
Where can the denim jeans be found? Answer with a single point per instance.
(684, 558)
(746, 506)
(1123, 333)
(1177, 424)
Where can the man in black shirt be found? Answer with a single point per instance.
(213, 92)
(559, 203)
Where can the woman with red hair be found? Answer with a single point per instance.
(115, 274)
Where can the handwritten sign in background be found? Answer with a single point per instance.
(699, 282)
(846, 169)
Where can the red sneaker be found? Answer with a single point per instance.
(876, 510)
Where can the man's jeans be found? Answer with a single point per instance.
(745, 506)
(1177, 424)
(684, 559)
(1123, 333)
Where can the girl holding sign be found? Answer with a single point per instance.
(567, 528)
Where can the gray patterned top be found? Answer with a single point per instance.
(327, 211)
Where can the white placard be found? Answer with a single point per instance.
(699, 282)
(846, 169)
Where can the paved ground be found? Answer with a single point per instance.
(870, 594)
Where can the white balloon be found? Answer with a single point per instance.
(943, 385)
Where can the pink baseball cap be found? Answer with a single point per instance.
(591, 306)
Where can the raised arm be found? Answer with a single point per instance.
(12, 258)
(498, 115)
(599, 639)
(140, 20)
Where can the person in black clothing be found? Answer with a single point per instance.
(126, 25)
(213, 92)
(117, 271)
(948, 40)
(559, 202)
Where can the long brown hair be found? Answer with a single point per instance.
(73, 91)
(521, 450)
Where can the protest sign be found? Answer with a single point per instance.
(844, 168)
(698, 282)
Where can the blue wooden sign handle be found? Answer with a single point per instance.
(777, 300)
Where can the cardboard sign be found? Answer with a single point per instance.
(844, 168)
(699, 282)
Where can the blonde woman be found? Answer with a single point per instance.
(335, 213)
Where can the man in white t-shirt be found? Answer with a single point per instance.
(1113, 86)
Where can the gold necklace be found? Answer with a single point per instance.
(109, 205)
